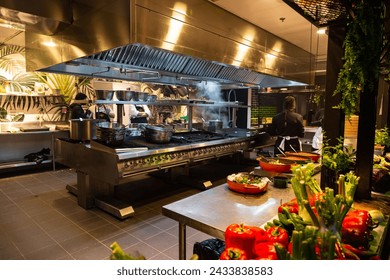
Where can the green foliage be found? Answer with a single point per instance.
(382, 137)
(363, 46)
(12, 70)
(338, 157)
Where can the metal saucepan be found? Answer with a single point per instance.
(111, 133)
(215, 125)
(158, 134)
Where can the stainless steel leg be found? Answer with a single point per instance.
(182, 241)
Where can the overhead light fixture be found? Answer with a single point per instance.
(321, 30)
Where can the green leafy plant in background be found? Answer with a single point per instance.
(382, 137)
(14, 78)
(338, 158)
(362, 48)
(68, 85)
(12, 70)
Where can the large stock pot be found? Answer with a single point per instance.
(82, 129)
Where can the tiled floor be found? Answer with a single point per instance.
(40, 219)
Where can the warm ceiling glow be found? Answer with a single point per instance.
(321, 31)
(270, 58)
(49, 43)
(243, 48)
(175, 25)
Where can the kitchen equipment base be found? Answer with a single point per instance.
(114, 207)
(110, 205)
(195, 183)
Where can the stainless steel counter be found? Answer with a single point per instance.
(213, 210)
(100, 168)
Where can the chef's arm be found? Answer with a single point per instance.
(146, 109)
(133, 112)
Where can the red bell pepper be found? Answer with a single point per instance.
(242, 237)
(278, 234)
(261, 234)
(291, 206)
(356, 229)
(266, 251)
(233, 254)
(356, 236)
(360, 217)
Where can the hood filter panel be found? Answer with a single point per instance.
(139, 56)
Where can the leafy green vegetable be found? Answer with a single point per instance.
(118, 254)
(338, 157)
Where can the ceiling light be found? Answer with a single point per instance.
(321, 31)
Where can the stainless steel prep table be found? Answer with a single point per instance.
(211, 211)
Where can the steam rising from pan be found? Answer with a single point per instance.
(212, 91)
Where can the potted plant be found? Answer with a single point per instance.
(337, 159)
(382, 140)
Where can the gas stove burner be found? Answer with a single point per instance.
(195, 136)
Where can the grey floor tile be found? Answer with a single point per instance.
(142, 249)
(145, 231)
(63, 233)
(51, 252)
(34, 243)
(8, 250)
(91, 223)
(161, 241)
(97, 252)
(124, 240)
(106, 232)
(162, 222)
(43, 221)
(79, 243)
(161, 256)
(173, 251)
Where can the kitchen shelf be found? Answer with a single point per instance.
(16, 145)
(18, 164)
(31, 95)
(190, 103)
(177, 102)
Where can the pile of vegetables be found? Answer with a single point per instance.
(316, 224)
(381, 174)
(248, 179)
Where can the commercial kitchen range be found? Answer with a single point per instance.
(100, 168)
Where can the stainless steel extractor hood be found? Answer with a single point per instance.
(169, 42)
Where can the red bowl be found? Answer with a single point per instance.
(295, 158)
(246, 188)
(282, 167)
(313, 156)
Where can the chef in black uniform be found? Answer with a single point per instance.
(288, 127)
(76, 108)
(139, 113)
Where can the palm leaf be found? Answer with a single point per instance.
(65, 83)
(6, 50)
(85, 86)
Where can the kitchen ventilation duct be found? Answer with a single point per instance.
(42, 16)
(168, 42)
